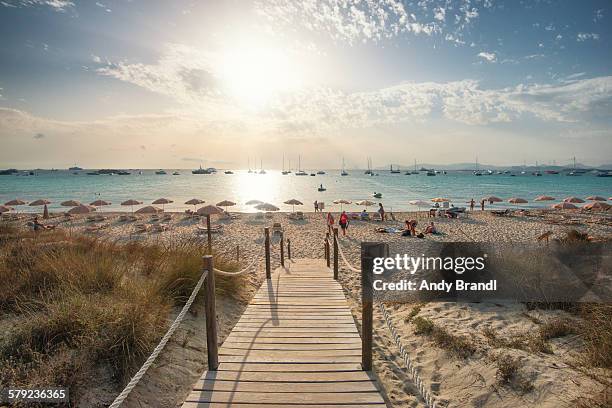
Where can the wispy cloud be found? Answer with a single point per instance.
(587, 36)
(371, 20)
(57, 5)
(488, 56)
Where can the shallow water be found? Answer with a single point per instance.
(273, 187)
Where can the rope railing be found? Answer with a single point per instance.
(425, 393)
(237, 273)
(136, 378)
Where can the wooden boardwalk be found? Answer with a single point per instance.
(296, 345)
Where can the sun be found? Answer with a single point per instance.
(253, 75)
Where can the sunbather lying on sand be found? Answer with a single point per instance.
(39, 226)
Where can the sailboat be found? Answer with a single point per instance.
(284, 172)
(396, 171)
(343, 172)
(300, 172)
(261, 170)
(369, 170)
(415, 169)
(574, 172)
(249, 164)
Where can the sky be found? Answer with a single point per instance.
(178, 84)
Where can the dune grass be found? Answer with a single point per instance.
(77, 304)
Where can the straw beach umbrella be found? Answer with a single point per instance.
(341, 202)
(440, 200)
(293, 202)
(4, 208)
(131, 203)
(254, 202)
(208, 211)
(564, 206)
(574, 200)
(100, 203)
(15, 202)
(493, 199)
(149, 209)
(70, 203)
(226, 203)
(267, 207)
(517, 200)
(194, 202)
(365, 203)
(43, 202)
(544, 198)
(597, 205)
(163, 202)
(595, 198)
(81, 209)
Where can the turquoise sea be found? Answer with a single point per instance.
(273, 187)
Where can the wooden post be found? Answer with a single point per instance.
(211, 315)
(209, 233)
(289, 248)
(327, 250)
(267, 243)
(336, 253)
(238, 253)
(369, 251)
(282, 249)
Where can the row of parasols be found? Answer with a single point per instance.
(568, 203)
(597, 203)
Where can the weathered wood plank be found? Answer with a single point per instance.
(285, 398)
(297, 367)
(283, 387)
(287, 376)
(248, 405)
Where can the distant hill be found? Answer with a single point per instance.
(474, 166)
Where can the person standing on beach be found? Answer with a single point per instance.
(472, 204)
(482, 203)
(316, 206)
(381, 211)
(330, 222)
(343, 222)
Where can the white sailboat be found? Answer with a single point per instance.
(343, 172)
(300, 172)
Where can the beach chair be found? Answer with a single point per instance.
(167, 217)
(545, 237)
(376, 217)
(155, 217)
(141, 227)
(501, 213)
(277, 228)
(123, 218)
(91, 218)
(201, 229)
(160, 227)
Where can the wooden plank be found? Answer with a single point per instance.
(288, 358)
(306, 346)
(285, 398)
(287, 376)
(298, 367)
(249, 405)
(281, 354)
(294, 340)
(283, 387)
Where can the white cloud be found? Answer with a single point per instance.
(488, 56)
(368, 20)
(57, 5)
(189, 76)
(587, 36)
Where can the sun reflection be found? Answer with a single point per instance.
(252, 186)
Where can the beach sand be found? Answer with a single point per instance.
(556, 380)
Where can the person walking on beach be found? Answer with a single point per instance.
(330, 222)
(482, 203)
(316, 206)
(343, 222)
(381, 211)
(472, 204)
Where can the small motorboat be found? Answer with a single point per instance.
(160, 172)
(176, 173)
(377, 195)
(228, 172)
(321, 188)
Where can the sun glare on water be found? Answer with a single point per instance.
(254, 74)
